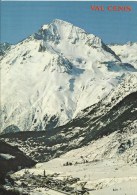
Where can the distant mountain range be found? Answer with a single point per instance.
(126, 52)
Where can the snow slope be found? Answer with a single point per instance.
(51, 76)
(104, 177)
(107, 129)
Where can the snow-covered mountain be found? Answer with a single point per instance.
(48, 78)
(126, 52)
(108, 128)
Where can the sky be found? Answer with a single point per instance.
(21, 19)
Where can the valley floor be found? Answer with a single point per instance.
(100, 178)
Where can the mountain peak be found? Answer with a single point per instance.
(60, 27)
(56, 23)
(65, 34)
(54, 74)
(59, 21)
(59, 30)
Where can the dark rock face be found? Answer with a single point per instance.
(116, 119)
(19, 160)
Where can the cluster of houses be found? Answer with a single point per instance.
(28, 182)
